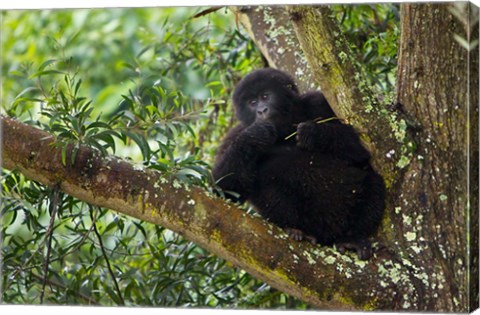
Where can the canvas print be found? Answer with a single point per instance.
(301, 157)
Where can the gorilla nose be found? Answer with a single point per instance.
(262, 110)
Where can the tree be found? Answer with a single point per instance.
(425, 145)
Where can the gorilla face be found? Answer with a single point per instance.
(269, 106)
(265, 95)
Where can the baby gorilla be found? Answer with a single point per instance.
(319, 185)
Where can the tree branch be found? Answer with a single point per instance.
(271, 30)
(317, 275)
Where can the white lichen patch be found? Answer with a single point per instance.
(416, 249)
(299, 72)
(309, 257)
(410, 236)
(406, 305)
(360, 263)
(419, 219)
(407, 220)
(186, 187)
(295, 258)
(456, 301)
(391, 272)
(390, 154)
(330, 260)
(339, 268)
(176, 184)
(423, 277)
(319, 253)
(138, 167)
(191, 202)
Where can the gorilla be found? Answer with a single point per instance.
(319, 185)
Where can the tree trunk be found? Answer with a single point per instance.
(435, 202)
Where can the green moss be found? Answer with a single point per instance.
(371, 305)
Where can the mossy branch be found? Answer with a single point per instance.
(272, 31)
(317, 275)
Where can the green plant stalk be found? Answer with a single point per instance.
(317, 122)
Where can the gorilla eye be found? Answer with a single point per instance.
(252, 102)
(264, 96)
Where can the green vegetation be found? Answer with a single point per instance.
(373, 32)
(150, 85)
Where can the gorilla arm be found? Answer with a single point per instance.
(333, 137)
(236, 163)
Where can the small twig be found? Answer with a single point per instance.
(24, 267)
(104, 253)
(206, 11)
(64, 287)
(49, 235)
(317, 121)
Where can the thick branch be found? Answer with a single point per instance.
(271, 30)
(317, 275)
(342, 80)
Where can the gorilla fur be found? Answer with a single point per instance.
(319, 185)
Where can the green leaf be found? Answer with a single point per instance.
(98, 124)
(107, 138)
(190, 172)
(141, 143)
(46, 64)
(27, 90)
(46, 72)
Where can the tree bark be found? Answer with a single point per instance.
(271, 30)
(436, 200)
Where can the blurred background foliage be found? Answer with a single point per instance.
(151, 85)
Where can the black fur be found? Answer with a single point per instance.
(318, 185)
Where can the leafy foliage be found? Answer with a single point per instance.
(152, 86)
(372, 30)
